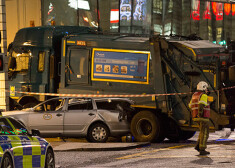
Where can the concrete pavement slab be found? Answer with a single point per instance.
(77, 146)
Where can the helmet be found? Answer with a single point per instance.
(202, 86)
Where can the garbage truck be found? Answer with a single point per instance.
(159, 73)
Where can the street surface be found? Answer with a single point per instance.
(164, 155)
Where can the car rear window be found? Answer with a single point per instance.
(80, 104)
(112, 105)
(106, 105)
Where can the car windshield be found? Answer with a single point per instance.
(50, 105)
(12, 128)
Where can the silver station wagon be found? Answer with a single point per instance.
(93, 118)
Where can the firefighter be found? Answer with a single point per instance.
(200, 114)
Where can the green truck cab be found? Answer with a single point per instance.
(33, 65)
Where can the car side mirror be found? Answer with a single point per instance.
(35, 132)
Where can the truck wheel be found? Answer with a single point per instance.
(146, 127)
(185, 135)
(28, 105)
(98, 133)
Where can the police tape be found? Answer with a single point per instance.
(227, 88)
(112, 95)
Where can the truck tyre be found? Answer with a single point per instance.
(146, 127)
(98, 133)
(185, 135)
(29, 105)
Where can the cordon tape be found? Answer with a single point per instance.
(111, 95)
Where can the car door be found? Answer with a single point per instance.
(80, 113)
(48, 117)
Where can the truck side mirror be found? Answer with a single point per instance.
(12, 63)
(231, 71)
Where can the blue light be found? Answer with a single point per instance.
(224, 140)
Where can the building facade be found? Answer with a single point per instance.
(211, 20)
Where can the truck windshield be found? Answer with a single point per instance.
(21, 61)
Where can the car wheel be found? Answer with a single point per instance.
(98, 133)
(50, 160)
(7, 161)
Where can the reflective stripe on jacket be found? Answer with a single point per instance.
(199, 98)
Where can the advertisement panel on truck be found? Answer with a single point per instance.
(120, 65)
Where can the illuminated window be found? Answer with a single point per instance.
(170, 9)
(196, 9)
(125, 10)
(217, 9)
(157, 6)
(207, 12)
(22, 60)
(139, 12)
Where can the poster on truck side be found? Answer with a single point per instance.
(113, 65)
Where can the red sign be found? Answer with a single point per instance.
(207, 13)
(233, 9)
(196, 10)
(114, 16)
(227, 8)
(217, 9)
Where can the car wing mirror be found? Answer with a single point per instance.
(35, 132)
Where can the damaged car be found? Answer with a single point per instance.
(96, 119)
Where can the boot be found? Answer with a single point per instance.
(204, 152)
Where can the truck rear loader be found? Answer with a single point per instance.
(159, 73)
